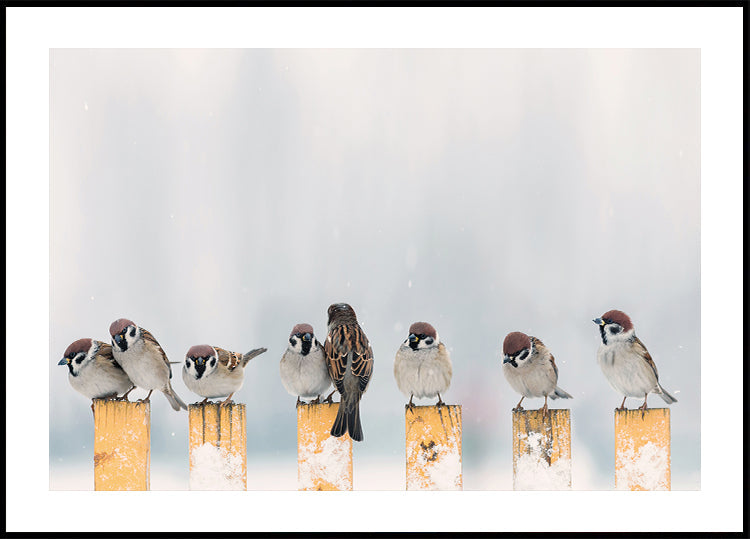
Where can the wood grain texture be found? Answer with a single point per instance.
(642, 449)
(324, 462)
(218, 446)
(122, 445)
(433, 448)
(541, 450)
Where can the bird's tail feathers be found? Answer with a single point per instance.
(173, 399)
(347, 420)
(251, 354)
(560, 394)
(669, 399)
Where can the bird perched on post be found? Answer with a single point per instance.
(213, 372)
(349, 358)
(303, 367)
(143, 359)
(530, 369)
(625, 362)
(93, 371)
(423, 366)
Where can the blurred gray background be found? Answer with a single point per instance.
(222, 196)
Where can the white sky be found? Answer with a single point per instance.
(458, 165)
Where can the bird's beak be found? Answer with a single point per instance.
(306, 337)
(413, 338)
(118, 338)
(200, 361)
(64, 361)
(598, 321)
(507, 359)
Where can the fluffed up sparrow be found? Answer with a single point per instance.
(349, 358)
(625, 362)
(530, 369)
(422, 367)
(143, 359)
(303, 367)
(213, 372)
(93, 371)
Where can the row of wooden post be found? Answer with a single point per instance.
(218, 448)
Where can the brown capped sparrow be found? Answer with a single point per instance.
(303, 368)
(423, 366)
(213, 372)
(349, 358)
(625, 362)
(93, 371)
(143, 359)
(530, 369)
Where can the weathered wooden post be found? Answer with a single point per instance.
(218, 446)
(541, 450)
(324, 462)
(433, 448)
(642, 449)
(122, 445)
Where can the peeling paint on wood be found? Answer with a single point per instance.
(324, 462)
(122, 445)
(218, 446)
(541, 450)
(433, 448)
(642, 449)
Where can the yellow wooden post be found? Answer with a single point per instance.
(324, 462)
(218, 446)
(642, 449)
(541, 450)
(122, 445)
(433, 448)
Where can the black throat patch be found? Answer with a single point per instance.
(200, 368)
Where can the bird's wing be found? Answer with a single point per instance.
(554, 366)
(640, 349)
(362, 366)
(229, 360)
(340, 342)
(336, 358)
(444, 357)
(150, 339)
(105, 354)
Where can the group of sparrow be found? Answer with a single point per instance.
(422, 367)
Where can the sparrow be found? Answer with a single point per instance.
(93, 371)
(349, 358)
(143, 359)
(303, 367)
(625, 362)
(213, 372)
(423, 366)
(530, 369)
